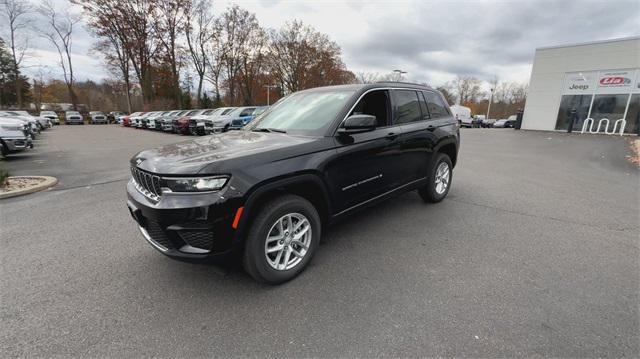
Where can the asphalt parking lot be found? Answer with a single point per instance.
(534, 253)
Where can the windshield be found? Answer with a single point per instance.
(306, 113)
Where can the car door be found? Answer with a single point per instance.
(366, 164)
(418, 138)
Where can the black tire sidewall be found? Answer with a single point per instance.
(255, 260)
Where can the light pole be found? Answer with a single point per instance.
(490, 100)
(269, 87)
(400, 73)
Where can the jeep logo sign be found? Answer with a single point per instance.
(614, 81)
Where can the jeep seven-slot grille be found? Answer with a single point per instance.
(148, 184)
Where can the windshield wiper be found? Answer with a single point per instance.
(265, 129)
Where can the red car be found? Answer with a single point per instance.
(126, 122)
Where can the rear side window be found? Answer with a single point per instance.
(407, 106)
(436, 106)
(247, 112)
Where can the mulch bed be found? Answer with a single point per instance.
(18, 183)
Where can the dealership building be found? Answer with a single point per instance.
(596, 80)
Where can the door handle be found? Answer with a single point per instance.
(431, 128)
(391, 136)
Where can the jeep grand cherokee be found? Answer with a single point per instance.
(267, 191)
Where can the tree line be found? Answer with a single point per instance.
(161, 49)
(163, 54)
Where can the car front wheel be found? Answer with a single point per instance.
(439, 182)
(282, 240)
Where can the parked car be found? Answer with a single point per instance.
(223, 121)
(32, 124)
(113, 116)
(202, 123)
(52, 116)
(127, 120)
(167, 120)
(504, 123)
(137, 121)
(149, 121)
(181, 123)
(97, 117)
(71, 117)
(42, 122)
(488, 122)
(269, 190)
(246, 116)
(14, 136)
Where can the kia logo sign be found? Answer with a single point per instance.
(614, 81)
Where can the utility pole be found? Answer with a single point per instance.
(269, 87)
(490, 100)
(400, 73)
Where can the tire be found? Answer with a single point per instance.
(258, 263)
(432, 193)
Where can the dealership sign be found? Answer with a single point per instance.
(602, 82)
(579, 83)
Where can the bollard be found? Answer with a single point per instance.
(572, 118)
(518, 119)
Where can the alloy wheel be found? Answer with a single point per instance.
(443, 174)
(288, 241)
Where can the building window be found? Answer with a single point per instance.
(581, 103)
(633, 115)
(610, 107)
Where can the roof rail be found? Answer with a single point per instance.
(403, 83)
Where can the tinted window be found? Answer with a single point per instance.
(436, 106)
(247, 112)
(407, 106)
(423, 107)
(227, 111)
(374, 103)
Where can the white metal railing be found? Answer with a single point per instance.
(589, 123)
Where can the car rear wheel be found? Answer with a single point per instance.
(282, 240)
(439, 180)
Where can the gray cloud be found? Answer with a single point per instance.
(432, 40)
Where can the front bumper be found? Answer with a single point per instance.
(15, 144)
(186, 226)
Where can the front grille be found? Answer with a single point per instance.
(157, 234)
(237, 123)
(202, 240)
(148, 184)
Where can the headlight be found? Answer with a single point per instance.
(11, 128)
(196, 184)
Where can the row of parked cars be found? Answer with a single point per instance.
(481, 121)
(18, 129)
(76, 118)
(193, 122)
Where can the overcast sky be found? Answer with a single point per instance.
(432, 40)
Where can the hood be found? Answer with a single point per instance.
(221, 153)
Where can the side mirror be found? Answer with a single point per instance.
(357, 124)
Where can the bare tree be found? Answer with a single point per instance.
(301, 57)
(16, 12)
(170, 16)
(467, 89)
(215, 50)
(60, 32)
(199, 31)
(106, 21)
(237, 25)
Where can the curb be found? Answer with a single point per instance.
(49, 182)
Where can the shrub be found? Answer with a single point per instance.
(4, 176)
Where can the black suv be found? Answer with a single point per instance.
(268, 190)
